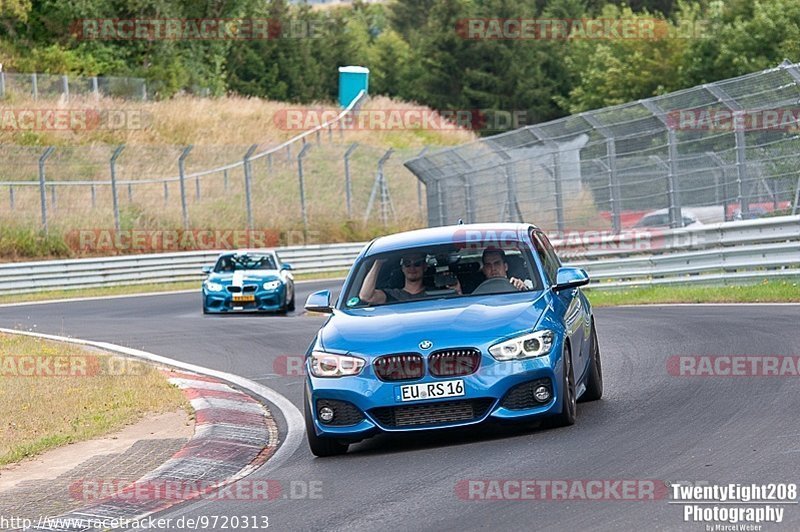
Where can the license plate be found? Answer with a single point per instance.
(431, 390)
(244, 299)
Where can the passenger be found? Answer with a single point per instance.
(413, 266)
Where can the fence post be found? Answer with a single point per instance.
(34, 85)
(796, 197)
(225, 180)
(197, 188)
(247, 185)
(380, 187)
(559, 197)
(94, 196)
(422, 152)
(470, 215)
(330, 133)
(319, 140)
(53, 199)
(440, 198)
(166, 193)
(615, 193)
(65, 86)
(182, 173)
(269, 162)
(741, 172)
(300, 157)
(114, 200)
(347, 184)
(95, 88)
(144, 91)
(11, 196)
(42, 193)
(289, 154)
(673, 190)
(720, 184)
(741, 144)
(2, 84)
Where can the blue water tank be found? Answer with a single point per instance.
(352, 80)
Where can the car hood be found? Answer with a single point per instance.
(469, 321)
(241, 277)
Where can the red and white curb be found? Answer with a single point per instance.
(234, 436)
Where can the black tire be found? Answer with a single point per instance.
(594, 386)
(569, 407)
(205, 309)
(290, 306)
(321, 447)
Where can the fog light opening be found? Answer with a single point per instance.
(326, 414)
(542, 394)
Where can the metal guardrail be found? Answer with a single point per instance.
(26, 277)
(727, 252)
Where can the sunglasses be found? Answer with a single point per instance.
(408, 263)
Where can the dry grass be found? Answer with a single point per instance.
(41, 412)
(229, 121)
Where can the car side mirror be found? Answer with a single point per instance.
(319, 302)
(207, 269)
(568, 277)
(286, 266)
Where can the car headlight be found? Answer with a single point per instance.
(330, 365)
(528, 345)
(271, 285)
(213, 287)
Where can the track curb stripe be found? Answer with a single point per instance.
(228, 444)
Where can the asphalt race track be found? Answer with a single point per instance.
(650, 424)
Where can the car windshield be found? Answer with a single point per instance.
(231, 263)
(445, 271)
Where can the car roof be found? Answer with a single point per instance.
(448, 234)
(263, 251)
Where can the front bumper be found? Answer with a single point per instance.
(265, 301)
(486, 396)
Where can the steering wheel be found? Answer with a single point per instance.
(495, 285)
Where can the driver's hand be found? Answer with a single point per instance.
(456, 286)
(519, 284)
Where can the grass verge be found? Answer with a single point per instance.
(54, 394)
(764, 292)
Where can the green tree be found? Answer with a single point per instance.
(611, 72)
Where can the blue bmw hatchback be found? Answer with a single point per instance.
(448, 327)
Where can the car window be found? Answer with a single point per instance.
(231, 263)
(547, 255)
(443, 271)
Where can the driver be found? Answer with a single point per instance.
(496, 266)
(413, 266)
